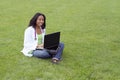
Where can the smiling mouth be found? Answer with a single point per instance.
(40, 24)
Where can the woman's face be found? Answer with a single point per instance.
(40, 21)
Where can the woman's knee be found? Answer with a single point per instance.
(61, 45)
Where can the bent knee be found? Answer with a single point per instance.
(61, 45)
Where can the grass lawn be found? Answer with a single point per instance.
(90, 30)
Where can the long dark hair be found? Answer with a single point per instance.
(34, 19)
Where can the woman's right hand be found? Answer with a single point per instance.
(39, 46)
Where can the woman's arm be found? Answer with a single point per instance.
(29, 42)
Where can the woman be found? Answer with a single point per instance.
(34, 39)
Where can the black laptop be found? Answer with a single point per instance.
(51, 41)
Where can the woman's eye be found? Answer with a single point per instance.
(41, 19)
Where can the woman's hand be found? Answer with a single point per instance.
(40, 46)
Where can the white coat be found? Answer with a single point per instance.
(30, 42)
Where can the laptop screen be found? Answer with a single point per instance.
(51, 40)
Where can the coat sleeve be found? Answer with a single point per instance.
(28, 40)
(43, 34)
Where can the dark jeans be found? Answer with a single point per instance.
(45, 54)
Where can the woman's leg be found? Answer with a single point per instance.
(41, 54)
(59, 52)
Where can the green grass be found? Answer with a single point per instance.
(90, 30)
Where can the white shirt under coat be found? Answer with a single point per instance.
(30, 42)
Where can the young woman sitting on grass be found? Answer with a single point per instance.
(34, 38)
